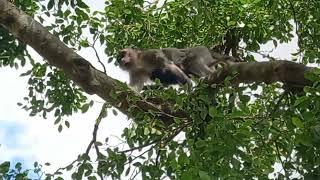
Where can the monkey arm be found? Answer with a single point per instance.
(182, 78)
(137, 81)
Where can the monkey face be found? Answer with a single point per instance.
(126, 58)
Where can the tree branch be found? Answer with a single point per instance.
(95, 130)
(96, 53)
(286, 72)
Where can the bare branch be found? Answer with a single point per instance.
(140, 147)
(286, 173)
(97, 55)
(95, 130)
(63, 168)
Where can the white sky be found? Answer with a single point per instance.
(30, 139)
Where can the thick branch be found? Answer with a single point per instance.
(287, 72)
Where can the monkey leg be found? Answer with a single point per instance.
(199, 69)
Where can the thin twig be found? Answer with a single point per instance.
(160, 111)
(95, 130)
(97, 55)
(157, 157)
(294, 19)
(136, 157)
(139, 147)
(261, 139)
(278, 103)
(176, 132)
(135, 175)
(94, 138)
(286, 174)
(63, 168)
(262, 54)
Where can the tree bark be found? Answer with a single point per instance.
(287, 72)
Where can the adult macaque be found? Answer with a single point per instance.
(195, 61)
(143, 65)
(169, 65)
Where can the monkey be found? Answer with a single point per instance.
(169, 65)
(150, 64)
(196, 61)
(220, 58)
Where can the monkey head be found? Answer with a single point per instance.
(127, 58)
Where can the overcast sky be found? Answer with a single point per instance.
(28, 139)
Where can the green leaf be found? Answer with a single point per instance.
(47, 164)
(82, 5)
(101, 39)
(137, 164)
(186, 176)
(127, 171)
(50, 4)
(245, 98)
(4, 167)
(305, 140)
(275, 43)
(26, 73)
(114, 112)
(183, 159)
(204, 175)
(60, 128)
(312, 76)
(146, 131)
(85, 107)
(92, 178)
(212, 111)
(57, 120)
(35, 164)
(84, 43)
(301, 100)
(67, 124)
(18, 166)
(127, 11)
(69, 167)
(297, 122)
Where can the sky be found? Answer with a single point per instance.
(29, 139)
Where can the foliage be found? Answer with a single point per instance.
(12, 50)
(231, 133)
(18, 173)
